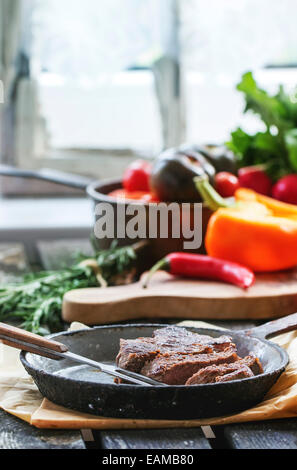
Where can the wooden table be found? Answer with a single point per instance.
(281, 434)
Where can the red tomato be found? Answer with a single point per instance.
(149, 197)
(255, 178)
(134, 195)
(137, 176)
(226, 183)
(286, 189)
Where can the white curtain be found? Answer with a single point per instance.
(231, 36)
(10, 17)
(87, 38)
(10, 21)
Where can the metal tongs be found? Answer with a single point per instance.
(21, 339)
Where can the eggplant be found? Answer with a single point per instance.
(173, 173)
(219, 156)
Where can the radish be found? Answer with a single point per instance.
(286, 189)
(254, 177)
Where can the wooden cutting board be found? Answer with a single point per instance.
(272, 296)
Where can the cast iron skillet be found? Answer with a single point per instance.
(55, 176)
(90, 391)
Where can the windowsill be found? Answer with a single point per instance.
(30, 221)
(97, 165)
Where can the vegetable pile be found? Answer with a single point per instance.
(37, 298)
(272, 153)
(253, 230)
(265, 162)
(276, 147)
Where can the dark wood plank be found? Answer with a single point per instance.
(278, 434)
(153, 439)
(16, 434)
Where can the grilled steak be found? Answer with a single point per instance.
(242, 373)
(176, 369)
(249, 366)
(135, 352)
(253, 363)
(177, 337)
(176, 356)
(216, 373)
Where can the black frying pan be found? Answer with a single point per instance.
(96, 190)
(54, 176)
(89, 391)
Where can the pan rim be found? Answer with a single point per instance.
(284, 357)
(99, 196)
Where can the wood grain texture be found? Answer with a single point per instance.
(8, 332)
(272, 296)
(280, 434)
(154, 439)
(16, 434)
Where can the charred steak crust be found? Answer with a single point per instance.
(179, 337)
(243, 373)
(177, 356)
(253, 363)
(177, 369)
(135, 352)
(216, 373)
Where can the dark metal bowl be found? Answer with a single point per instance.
(159, 247)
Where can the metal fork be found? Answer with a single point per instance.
(26, 341)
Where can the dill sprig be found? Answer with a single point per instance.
(37, 298)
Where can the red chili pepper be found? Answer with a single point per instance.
(204, 267)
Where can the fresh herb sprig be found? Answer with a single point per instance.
(37, 298)
(276, 147)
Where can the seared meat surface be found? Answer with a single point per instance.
(220, 373)
(135, 352)
(177, 369)
(176, 356)
(242, 373)
(177, 337)
(253, 363)
(240, 369)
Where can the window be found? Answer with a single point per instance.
(92, 64)
(91, 84)
(220, 41)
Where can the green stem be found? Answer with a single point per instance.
(163, 264)
(209, 195)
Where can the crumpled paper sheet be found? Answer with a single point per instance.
(20, 397)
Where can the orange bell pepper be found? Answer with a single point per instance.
(278, 208)
(255, 230)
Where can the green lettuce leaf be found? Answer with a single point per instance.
(276, 148)
(270, 109)
(291, 145)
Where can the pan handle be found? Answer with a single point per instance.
(47, 174)
(274, 328)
